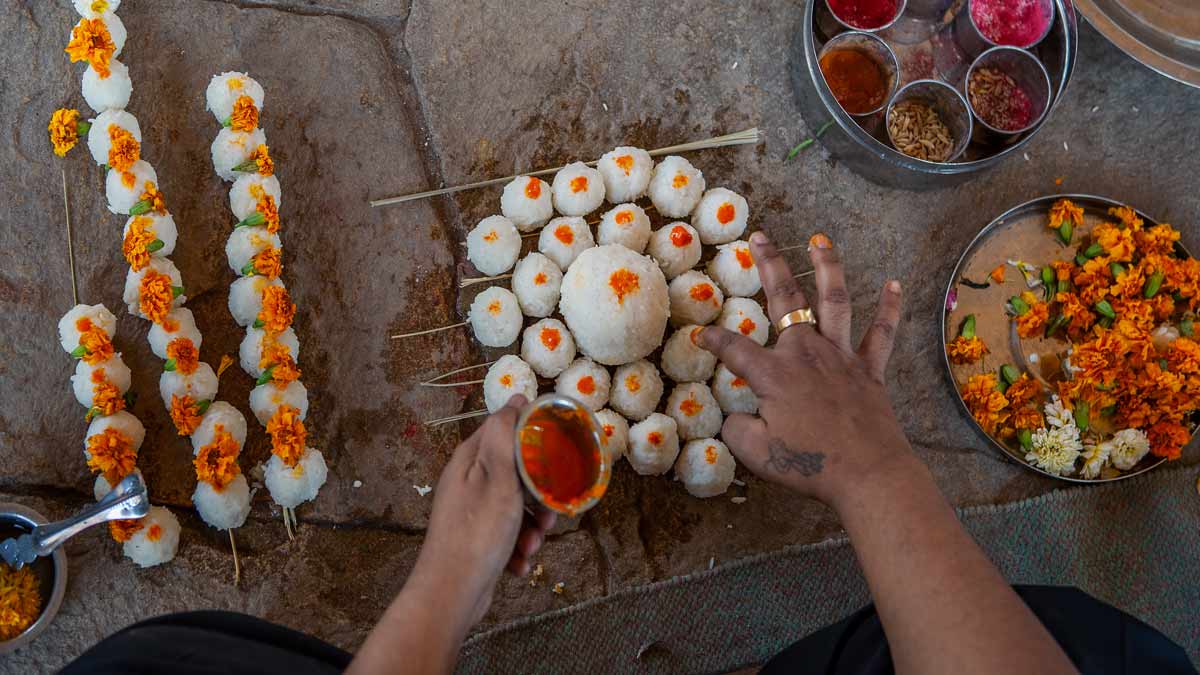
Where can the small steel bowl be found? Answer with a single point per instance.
(51, 572)
(947, 102)
(900, 6)
(974, 42)
(875, 49)
(565, 404)
(1029, 74)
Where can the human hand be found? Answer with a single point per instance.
(825, 421)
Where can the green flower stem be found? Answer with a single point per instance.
(1009, 373)
(266, 375)
(139, 208)
(968, 327)
(1082, 415)
(1153, 284)
(79, 352)
(176, 291)
(169, 365)
(252, 220)
(1105, 309)
(1019, 306)
(155, 245)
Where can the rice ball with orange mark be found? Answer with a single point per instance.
(585, 381)
(705, 467)
(246, 297)
(733, 393)
(614, 433)
(246, 190)
(684, 360)
(536, 282)
(219, 414)
(107, 93)
(676, 248)
(266, 398)
(156, 541)
(676, 187)
(721, 216)
(162, 225)
(495, 317)
(133, 284)
(225, 89)
(653, 445)
(117, 34)
(120, 422)
(226, 508)
(291, 486)
(250, 351)
(548, 348)
(625, 224)
(88, 375)
(179, 323)
(123, 189)
(527, 202)
(104, 126)
(246, 242)
(508, 376)
(81, 318)
(201, 384)
(626, 172)
(615, 302)
(578, 189)
(563, 239)
(231, 148)
(636, 389)
(745, 316)
(695, 299)
(734, 269)
(494, 245)
(696, 413)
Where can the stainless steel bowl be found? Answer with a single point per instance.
(51, 571)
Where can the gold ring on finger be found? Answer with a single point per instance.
(804, 315)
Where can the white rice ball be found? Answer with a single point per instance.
(123, 423)
(536, 282)
(246, 297)
(676, 187)
(219, 414)
(133, 281)
(563, 239)
(527, 202)
(745, 316)
(721, 216)
(265, 399)
(627, 225)
(508, 376)
(734, 269)
(733, 393)
(201, 385)
(101, 488)
(246, 242)
(123, 189)
(636, 389)
(578, 189)
(98, 139)
(231, 148)
(615, 303)
(292, 486)
(548, 348)
(251, 349)
(653, 445)
(685, 361)
(180, 323)
(116, 29)
(164, 229)
(614, 433)
(107, 93)
(586, 382)
(86, 377)
(695, 299)
(494, 245)
(81, 315)
(223, 509)
(225, 88)
(626, 172)
(495, 317)
(91, 8)
(157, 541)
(242, 201)
(706, 467)
(676, 248)
(695, 411)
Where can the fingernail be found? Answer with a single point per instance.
(894, 286)
(819, 241)
(759, 237)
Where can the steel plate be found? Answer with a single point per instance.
(1162, 34)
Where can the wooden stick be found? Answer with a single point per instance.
(457, 371)
(471, 281)
(747, 137)
(295, 523)
(237, 566)
(450, 384)
(804, 274)
(288, 525)
(70, 240)
(456, 418)
(792, 248)
(427, 332)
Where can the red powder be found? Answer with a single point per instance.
(680, 236)
(1018, 23)
(866, 14)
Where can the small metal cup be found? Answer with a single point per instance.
(899, 11)
(878, 51)
(1030, 75)
(51, 571)
(947, 102)
(974, 42)
(564, 404)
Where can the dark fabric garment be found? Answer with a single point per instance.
(1099, 639)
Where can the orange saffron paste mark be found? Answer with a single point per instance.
(747, 326)
(737, 383)
(726, 213)
(632, 383)
(533, 189)
(744, 258)
(506, 380)
(695, 335)
(565, 234)
(710, 454)
(579, 184)
(139, 236)
(624, 163)
(654, 438)
(185, 413)
(155, 295)
(701, 292)
(680, 180)
(551, 338)
(690, 407)
(124, 151)
(680, 236)
(91, 42)
(608, 430)
(216, 463)
(155, 532)
(128, 179)
(586, 385)
(623, 283)
(287, 435)
(624, 217)
(539, 279)
(123, 530)
(187, 357)
(245, 114)
(111, 454)
(491, 236)
(277, 309)
(494, 308)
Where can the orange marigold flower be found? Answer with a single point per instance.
(964, 351)
(1065, 209)
(1129, 284)
(262, 157)
(91, 42)
(1063, 271)
(277, 309)
(185, 354)
(137, 238)
(154, 196)
(245, 114)
(1118, 243)
(124, 149)
(107, 399)
(155, 295)
(986, 403)
(123, 530)
(216, 463)
(268, 262)
(1128, 217)
(266, 206)
(1136, 311)
(64, 130)
(1079, 317)
(20, 601)
(287, 435)
(98, 346)
(1028, 418)
(273, 352)
(111, 454)
(1033, 323)
(1023, 391)
(185, 413)
(1184, 357)
(1159, 239)
(1167, 439)
(284, 372)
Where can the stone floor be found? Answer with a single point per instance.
(370, 98)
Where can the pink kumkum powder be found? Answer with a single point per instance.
(1017, 23)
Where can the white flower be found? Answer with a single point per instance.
(1129, 446)
(1057, 414)
(1055, 450)
(1095, 456)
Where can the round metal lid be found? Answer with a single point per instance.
(1162, 34)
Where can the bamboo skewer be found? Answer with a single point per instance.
(287, 524)
(70, 240)
(471, 281)
(237, 566)
(456, 418)
(431, 330)
(457, 371)
(747, 137)
(450, 384)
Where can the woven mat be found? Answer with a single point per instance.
(1134, 544)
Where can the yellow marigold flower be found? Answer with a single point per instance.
(1079, 317)
(268, 262)
(1118, 243)
(1159, 240)
(155, 295)
(1033, 323)
(1128, 217)
(20, 603)
(106, 398)
(964, 351)
(154, 197)
(986, 403)
(245, 114)
(288, 435)
(124, 151)
(1065, 209)
(185, 354)
(266, 207)
(139, 236)
(123, 530)
(91, 42)
(216, 463)
(98, 345)
(277, 309)
(64, 130)
(111, 454)
(1023, 391)
(262, 157)
(185, 413)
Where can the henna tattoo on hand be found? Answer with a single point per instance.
(783, 459)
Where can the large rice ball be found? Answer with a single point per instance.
(250, 350)
(292, 486)
(219, 414)
(676, 187)
(695, 299)
(653, 445)
(721, 216)
(615, 303)
(201, 384)
(578, 189)
(223, 509)
(706, 467)
(508, 376)
(614, 433)
(133, 284)
(156, 542)
(81, 317)
(527, 202)
(495, 317)
(246, 297)
(627, 225)
(586, 382)
(734, 269)
(733, 393)
(124, 189)
(265, 399)
(626, 172)
(231, 148)
(563, 239)
(87, 376)
(683, 360)
(676, 248)
(548, 348)
(98, 139)
(745, 316)
(246, 242)
(494, 245)
(123, 423)
(162, 225)
(242, 199)
(107, 93)
(695, 411)
(224, 89)
(636, 389)
(536, 282)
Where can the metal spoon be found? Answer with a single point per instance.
(128, 500)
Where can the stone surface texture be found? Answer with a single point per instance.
(370, 98)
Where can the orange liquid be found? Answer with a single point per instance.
(561, 457)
